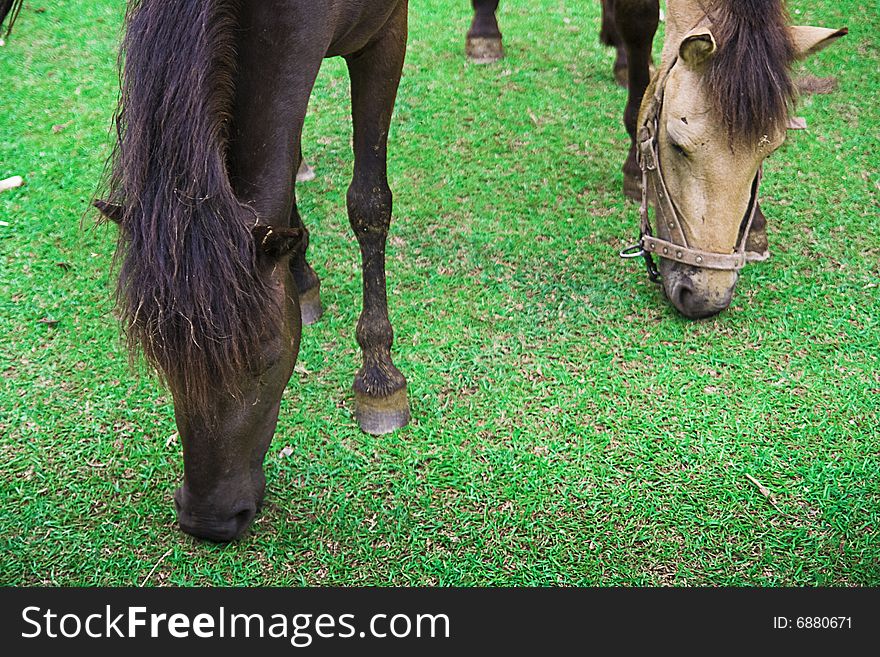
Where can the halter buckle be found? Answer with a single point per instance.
(646, 159)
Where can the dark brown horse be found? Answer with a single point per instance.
(211, 253)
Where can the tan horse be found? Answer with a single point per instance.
(716, 108)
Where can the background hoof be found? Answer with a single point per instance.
(632, 188)
(377, 416)
(305, 172)
(484, 50)
(310, 305)
(757, 244)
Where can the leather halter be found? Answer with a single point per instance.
(677, 247)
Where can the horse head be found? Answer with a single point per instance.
(716, 109)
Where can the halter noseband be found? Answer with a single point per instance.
(677, 247)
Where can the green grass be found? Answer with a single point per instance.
(568, 427)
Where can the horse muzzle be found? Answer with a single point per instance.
(213, 523)
(695, 292)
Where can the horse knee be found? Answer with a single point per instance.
(369, 207)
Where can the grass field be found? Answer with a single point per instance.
(569, 427)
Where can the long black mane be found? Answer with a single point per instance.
(189, 293)
(749, 78)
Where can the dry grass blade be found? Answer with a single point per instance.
(764, 491)
(153, 569)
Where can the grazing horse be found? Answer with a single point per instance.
(716, 108)
(211, 251)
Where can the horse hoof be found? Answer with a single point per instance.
(380, 415)
(305, 172)
(632, 188)
(484, 50)
(310, 305)
(757, 246)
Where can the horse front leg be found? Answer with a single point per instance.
(484, 45)
(636, 22)
(381, 403)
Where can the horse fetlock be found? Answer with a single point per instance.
(374, 332)
(378, 377)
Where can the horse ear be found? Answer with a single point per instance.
(808, 40)
(111, 211)
(697, 46)
(275, 243)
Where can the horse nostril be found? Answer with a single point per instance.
(243, 518)
(178, 504)
(682, 294)
(694, 304)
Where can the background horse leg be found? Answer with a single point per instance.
(381, 403)
(636, 22)
(608, 35)
(483, 44)
(308, 285)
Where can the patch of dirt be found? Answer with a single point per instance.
(811, 84)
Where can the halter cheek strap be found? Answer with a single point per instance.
(677, 247)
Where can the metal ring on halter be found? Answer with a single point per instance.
(634, 251)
